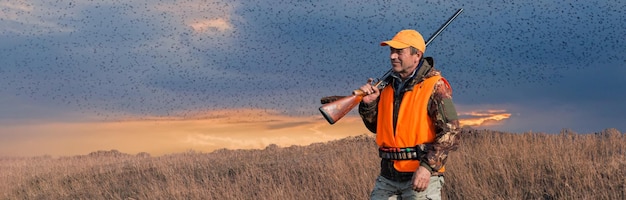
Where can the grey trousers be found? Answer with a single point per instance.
(386, 189)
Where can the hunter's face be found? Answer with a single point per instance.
(402, 61)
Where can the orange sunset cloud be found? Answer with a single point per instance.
(483, 117)
(205, 132)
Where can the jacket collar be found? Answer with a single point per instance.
(426, 70)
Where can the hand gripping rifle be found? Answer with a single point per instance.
(335, 107)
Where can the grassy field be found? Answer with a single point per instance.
(488, 165)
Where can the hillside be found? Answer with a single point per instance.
(488, 165)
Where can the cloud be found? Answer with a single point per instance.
(112, 58)
(163, 58)
(14, 8)
(22, 16)
(219, 24)
(483, 118)
(201, 131)
(207, 17)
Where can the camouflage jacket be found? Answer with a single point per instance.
(441, 110)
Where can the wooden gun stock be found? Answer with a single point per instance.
(335, 107)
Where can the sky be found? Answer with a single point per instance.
(162, 76)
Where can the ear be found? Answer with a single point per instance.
(418, 56)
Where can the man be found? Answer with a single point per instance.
(414, 120)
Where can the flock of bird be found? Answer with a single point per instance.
(118, 58)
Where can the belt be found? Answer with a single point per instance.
(409, 153)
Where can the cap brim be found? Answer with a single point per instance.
(394, 44)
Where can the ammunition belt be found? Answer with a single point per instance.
(409, 153)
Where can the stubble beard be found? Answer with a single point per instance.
(396, 67)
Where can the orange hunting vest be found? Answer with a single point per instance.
(414, 125)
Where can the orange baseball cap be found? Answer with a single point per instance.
(406, 38)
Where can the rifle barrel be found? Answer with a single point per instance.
(458, 12)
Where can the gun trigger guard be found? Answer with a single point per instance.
(382, 85)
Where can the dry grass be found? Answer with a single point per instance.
(489, 165)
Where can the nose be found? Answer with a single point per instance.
(393, 56)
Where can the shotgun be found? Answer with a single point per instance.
(335, 107)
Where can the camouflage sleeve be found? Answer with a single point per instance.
(443, 114)
(369, 114)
